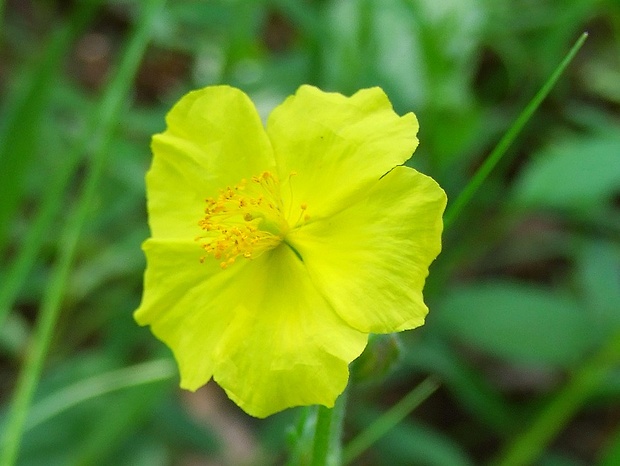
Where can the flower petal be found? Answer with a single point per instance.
(286, 346)
(371, 260)
(275, 345)
(183, 301)
(338, 146)
(214, 139)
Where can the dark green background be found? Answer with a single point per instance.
(524, 299)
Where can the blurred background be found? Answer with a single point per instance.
(524, 327)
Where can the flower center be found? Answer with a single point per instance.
(245, 220)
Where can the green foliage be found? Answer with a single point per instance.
(498, 317)
(577, 174)
(524, 301)
(414, 443)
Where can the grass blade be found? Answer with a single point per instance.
(99, 385)
(18, 131)
(455, 208)
(389, 419)
(111, 107)
(17, 271)
(525, 448)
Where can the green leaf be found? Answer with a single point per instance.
(573, 174)
(521, 323)
(598, 276)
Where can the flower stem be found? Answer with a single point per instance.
(327, 449)
(499, 151)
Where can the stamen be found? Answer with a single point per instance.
(290, 187)
(245, 220)
(303, 216)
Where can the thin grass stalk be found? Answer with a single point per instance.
(17, 271)
(21, 124)
(98, 385)
(413, 399)
(528, 446)
(389, 419)
(456, 207)
(111, 109)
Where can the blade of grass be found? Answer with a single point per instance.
(389, 419)
(19, 128)
(98, 385)
(17, 271)
(473, 391)
(50, 307)
(525, 448)
(455, 208)
(131, 409)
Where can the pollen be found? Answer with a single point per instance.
(244, 220)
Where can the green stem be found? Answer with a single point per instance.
(389, 419)
(302, 437)
(500, 150)
(528, 446)
(52, 299)
(327, 449)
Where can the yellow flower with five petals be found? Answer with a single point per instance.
(275, 250)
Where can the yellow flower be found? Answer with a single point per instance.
(276, 251)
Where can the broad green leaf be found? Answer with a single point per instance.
(518, 322)
(598, 277)
(573, 174)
